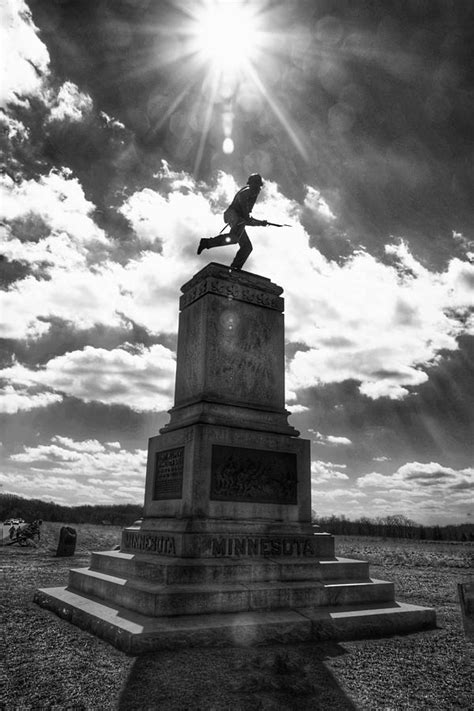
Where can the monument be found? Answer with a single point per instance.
(226, 552)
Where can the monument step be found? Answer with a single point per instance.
(158, 600)
(170, 571)
(134, 633)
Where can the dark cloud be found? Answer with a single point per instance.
(62, 337)
(435, 423)
(79, 420)
(11, 271)
(381, 97)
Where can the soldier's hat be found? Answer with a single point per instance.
(255, 180)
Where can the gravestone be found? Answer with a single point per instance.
(226, 552)
(67, 542)
(466, 601)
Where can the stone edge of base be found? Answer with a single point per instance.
(128, 631)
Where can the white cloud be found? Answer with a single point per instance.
(175, 221)
(423, 491)
(88, 445)
(326, 471)
(59, 250)
(58, 199)
(24, 57)
(315, 202)
(297, 409)
(70, 104)
(333, 440)
(78, 472)
(16, 399)
(142, 381)
(364, 321)
(380, 325)
(82, 297)
(12, 127)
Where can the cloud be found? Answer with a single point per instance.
(316, 204)
(58, 200)
(88, 445)
(382, 325)
(178, 212)
(81, 296)
(25, 58)
(16, 399)
(324, 439)
(70, 104)
(422, 491)
(394, 324)
(326, 471)
(142, 380)
(297, 409)
(13, 128)
(78, 472)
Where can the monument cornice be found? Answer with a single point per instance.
(231, 284)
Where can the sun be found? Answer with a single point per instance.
(223, 49)
(226, 34)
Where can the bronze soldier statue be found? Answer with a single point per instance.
(238, 217)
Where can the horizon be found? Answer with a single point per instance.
(383, 520)
(127, 131)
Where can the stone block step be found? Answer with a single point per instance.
(157, 600)
(136, 634)
(170, 571)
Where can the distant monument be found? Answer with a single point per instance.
(226, 552)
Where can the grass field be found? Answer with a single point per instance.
(52, 665)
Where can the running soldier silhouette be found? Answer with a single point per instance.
(238, 217)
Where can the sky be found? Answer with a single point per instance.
(127, 126)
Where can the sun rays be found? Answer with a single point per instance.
(216, 54)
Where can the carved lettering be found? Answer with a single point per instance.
(218, 546)
(252, 546)
(169, 474)
(276, 547)
(240, 546)
(266, 547)
(149, 543)
(233, 291)
(262, 439)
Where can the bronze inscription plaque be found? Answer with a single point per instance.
(169, 474)
(253, 475)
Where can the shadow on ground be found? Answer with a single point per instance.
(273, 677)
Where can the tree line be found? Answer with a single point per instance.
(393, 526)
(12, 506)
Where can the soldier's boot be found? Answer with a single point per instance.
(202, 245)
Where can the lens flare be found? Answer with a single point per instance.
(228, 146)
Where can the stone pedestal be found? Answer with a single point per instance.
(226, 552)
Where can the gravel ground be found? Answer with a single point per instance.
(53, 665)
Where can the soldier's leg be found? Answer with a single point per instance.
(222, 240)
(244, 251)
(218, 241)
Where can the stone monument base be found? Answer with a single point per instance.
(248, 586)
(226, 553)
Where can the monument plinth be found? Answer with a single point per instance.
(226, 552)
